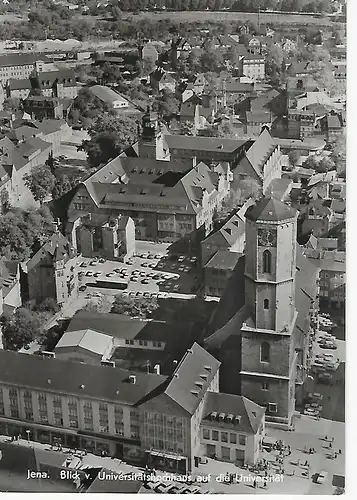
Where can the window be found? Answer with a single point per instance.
(206, 434)
(272, 407)
(14, 413)
(233, 438)
(265, 352)
(28, 415)
(215, 435)
(242, 439)
(224, 437)
(266, 304)
(266, 261)
(73, 422)
(265, 386)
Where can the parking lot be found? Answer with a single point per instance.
(146, 275)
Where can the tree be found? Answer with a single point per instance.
(249, 188)
(20, 229)
(109, 136)
(338, 155)
(40, 182)
(20, 328)
(294, 157)
(138, 308)
(325, 164)
(11, 104)
(61, 187)
(102, 305)
(4, 201)
(310, 162)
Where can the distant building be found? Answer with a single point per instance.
(41, 107)
(20, 66)
(161, 80)
(109, 96)
(51, 271)
(254, 67)
(10, 298)
(61, 84)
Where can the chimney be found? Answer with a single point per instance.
(132, 379)
(194, 161)
(157, 369)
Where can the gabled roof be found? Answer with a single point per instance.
(90, 340)
(250, 414)
(204, 143)
(270, 210)
(57, 246)
(259, 151)
(192, 378)
(223, 259)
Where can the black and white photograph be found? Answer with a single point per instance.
(173, 247)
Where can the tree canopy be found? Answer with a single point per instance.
(20, 229)
(40, 182)
(138, 308)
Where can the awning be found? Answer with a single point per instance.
(40, 427)
(165, 455)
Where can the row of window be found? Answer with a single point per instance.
(223, 436)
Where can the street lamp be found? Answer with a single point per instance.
(28, 436)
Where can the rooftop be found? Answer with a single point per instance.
(232, 412)
(79, 379)
(89, 340)
(223, 259)
(208, 144)
(106, 94)
(270, 210)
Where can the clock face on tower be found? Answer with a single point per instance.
(267, 237)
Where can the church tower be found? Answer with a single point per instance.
(268, 364)
(151, 139)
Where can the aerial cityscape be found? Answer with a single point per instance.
(173, 246)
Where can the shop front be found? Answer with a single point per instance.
(166, 461)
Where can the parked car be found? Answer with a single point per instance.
(311, 412)
(92, 263)
(118, 270)
(145, 264)
(83, 288)
(316, 396)
(97, 294)
(328, 355)
(157, 256)
(102, 260)
(160, 488)
(321, 478)
(84, 264)
(160, 265)
(176, 288)
(142, 274)
(110, 275)
(130, 262)
(145, 281)
(157, 276)
(96, 275)
(132, 294)
(181, 258)
(181, 269)
(143, 255)
(134, 278)
(89, 273)
(147, 294)
(152, 265)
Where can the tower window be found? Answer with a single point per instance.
(265, 386)
(266, 261)
(265, 352)
(266, 304)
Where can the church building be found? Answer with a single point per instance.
(261, 328)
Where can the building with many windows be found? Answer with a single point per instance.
(20, 66)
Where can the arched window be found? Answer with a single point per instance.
(266, 304)
(266, 261)
(265, 352)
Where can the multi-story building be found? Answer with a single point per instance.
(301, 123)
(218, 271)
(61, 84)
(135, 416)
(112, 239)
(20, 66)
(51, 271)
(253, 67)
(41, 107)
(166, 199)
(232, 428)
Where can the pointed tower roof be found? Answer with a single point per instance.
(270, 210)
